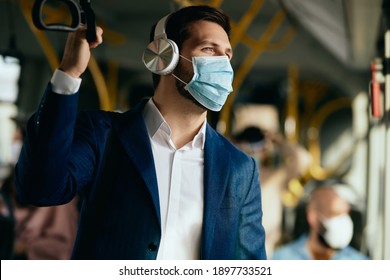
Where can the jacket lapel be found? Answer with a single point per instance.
(216, 170)
(133, 135)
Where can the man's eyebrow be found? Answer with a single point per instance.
(208, 42)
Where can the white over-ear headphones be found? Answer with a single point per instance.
(162, 55)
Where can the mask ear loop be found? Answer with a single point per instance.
(177, 76)
(179, 79)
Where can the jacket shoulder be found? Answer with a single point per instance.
(231, 148)
(97, 118)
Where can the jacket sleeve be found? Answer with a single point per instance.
(57, 159)
(251, 232)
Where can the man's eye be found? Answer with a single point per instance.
(208, 49)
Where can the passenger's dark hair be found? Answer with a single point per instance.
(251, 134)
(177, 27)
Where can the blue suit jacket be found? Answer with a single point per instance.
(65, 154)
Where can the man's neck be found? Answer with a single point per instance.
(183, 117)
(317, 250)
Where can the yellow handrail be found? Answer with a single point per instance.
(316, 170)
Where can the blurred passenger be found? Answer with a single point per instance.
(37, 232)
(330, 229)
(279, 162)
(7, 221)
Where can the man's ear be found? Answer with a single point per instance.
(311, 216)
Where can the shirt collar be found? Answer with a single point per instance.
(200, 137)
(155, 121)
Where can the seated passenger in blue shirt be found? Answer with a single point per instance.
(330, 230)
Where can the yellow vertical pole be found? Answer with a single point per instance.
(292, 114)
(101, 85)
(112, 83)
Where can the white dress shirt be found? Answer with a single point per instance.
(180, 186)
(179, 177)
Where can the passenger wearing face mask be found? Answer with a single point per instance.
(156, 182)
(330, 229)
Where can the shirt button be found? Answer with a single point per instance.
(152, 247)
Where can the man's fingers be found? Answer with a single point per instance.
(99, 38)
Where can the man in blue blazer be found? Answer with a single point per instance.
(156, 182)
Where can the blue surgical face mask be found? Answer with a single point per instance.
(212, 81)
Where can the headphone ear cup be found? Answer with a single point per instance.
(161, 56)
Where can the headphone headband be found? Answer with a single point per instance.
(159, 31)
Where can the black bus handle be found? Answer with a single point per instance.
(82, 13)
